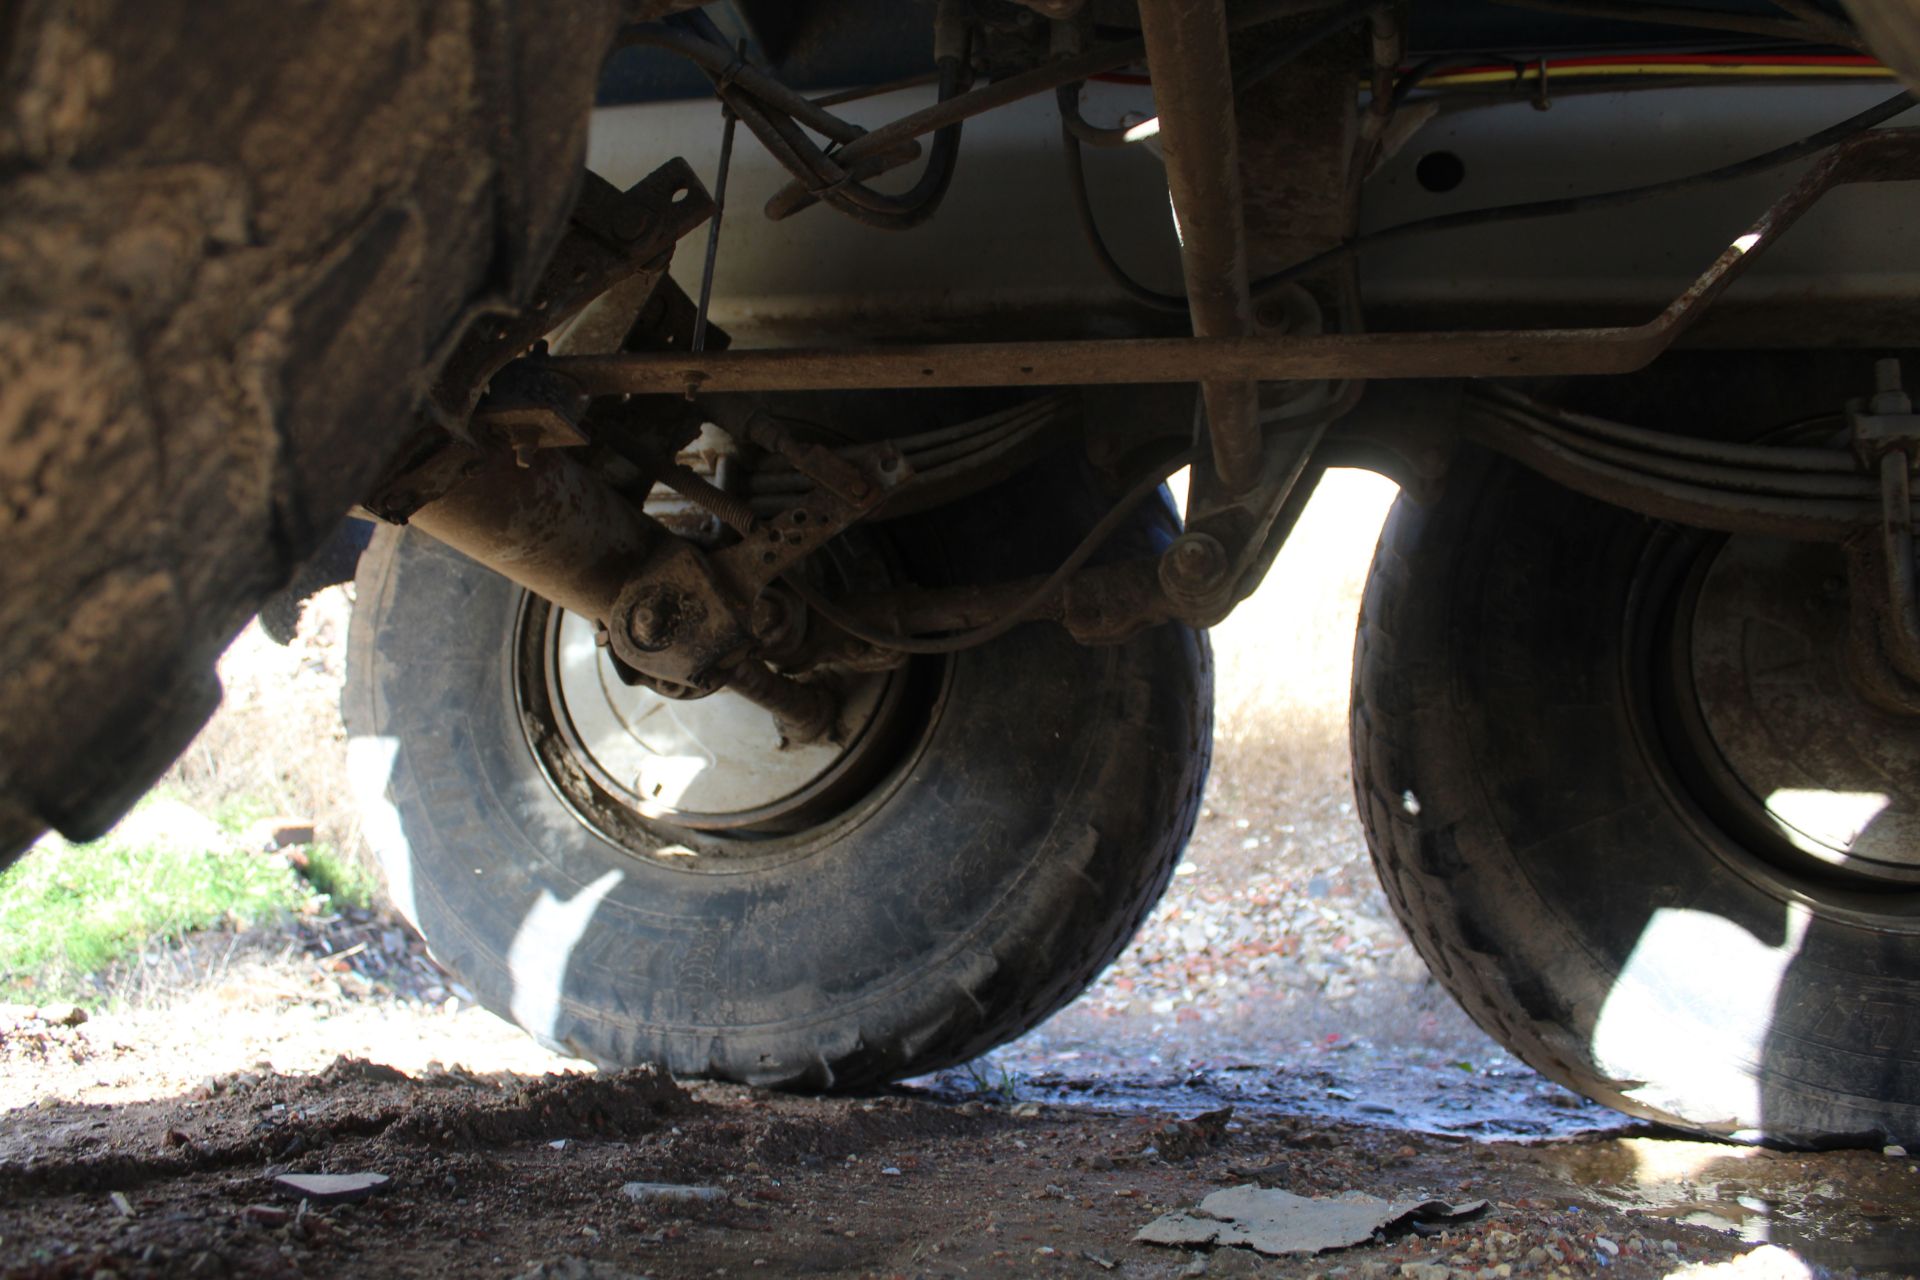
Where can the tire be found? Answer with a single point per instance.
(1008, 847)
(1529, 795)
(233, 252)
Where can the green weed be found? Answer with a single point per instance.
(68, 911)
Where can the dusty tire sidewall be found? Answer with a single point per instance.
(974, 890)
(1551, 856)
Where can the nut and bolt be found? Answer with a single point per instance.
(648, 624)
(1194, 566)
(770, 615)
(779, 621)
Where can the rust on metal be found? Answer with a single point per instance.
(802, 712)
(613, 234)
(552, 526)
(1883, 155)
(1193, 90)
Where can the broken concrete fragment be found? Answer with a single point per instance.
(671, 1193)
(331, 1188)
(1279, 1222)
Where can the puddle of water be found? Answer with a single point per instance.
(1839, 1209)
(1423, 1093)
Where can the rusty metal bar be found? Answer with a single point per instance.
(552, 526)
(1883, 155)
(1193, 93)
(802, 712)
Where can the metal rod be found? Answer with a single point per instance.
(713, 228)
(1108, 361)
(1880, 155)
(802, 712)
(1896, 533)
(1193, 93)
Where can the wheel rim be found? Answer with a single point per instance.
(667, 778)
(1833, 779)
(1814, 793)
(712, 763)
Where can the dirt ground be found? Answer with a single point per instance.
(501, 1175)
(1269, 1027)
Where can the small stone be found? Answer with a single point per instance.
(278, 832)
(267, 1215)
(121, 1203)
(1894, 1150)
(62, 1015)
(331, 1188)
(889, 1172)
(558, 1144)
(671, 1193)
(1606, 1246)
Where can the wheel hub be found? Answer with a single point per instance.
(710, 763)
(1789, 745)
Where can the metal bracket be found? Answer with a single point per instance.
(612, 235)
(531, 407)
(861, 482)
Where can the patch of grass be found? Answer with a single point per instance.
(992, 1080)
(234, 814)
(341, 878)
(67, 911)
